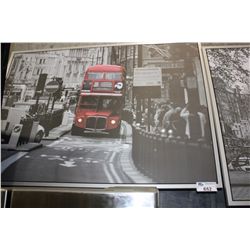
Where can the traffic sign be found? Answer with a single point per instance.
(52, 86)
(147, 77)
(147, 82)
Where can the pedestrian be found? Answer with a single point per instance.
(204, 119)
(156, 118)
(160, 111)
(178, 123)
(166, 122)
(195, 122)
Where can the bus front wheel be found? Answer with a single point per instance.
(115, 132)
(76, 130)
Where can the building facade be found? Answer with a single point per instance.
(182, 79)
(68, 64)
(234, 108)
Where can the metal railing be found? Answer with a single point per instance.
(172, 160)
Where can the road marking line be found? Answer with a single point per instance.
(6, 163)
(106, 155)
(68, 164)
(129, 168)
(109, 177)
(114, 173)
(112, 156)
(112, 169)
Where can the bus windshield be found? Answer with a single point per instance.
(101, 103)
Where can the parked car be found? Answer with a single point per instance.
(10, 116)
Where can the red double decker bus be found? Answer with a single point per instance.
(101, 101)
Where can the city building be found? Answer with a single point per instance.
(68, 64)
(182, 79)
(234, 109)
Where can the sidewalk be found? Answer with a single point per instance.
(61, 130)
(9, 155)
(57, 132)
(65, 127)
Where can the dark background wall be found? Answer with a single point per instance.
(5, 48)
(190, 198)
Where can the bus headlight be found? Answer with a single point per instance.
(79, 120)
(113, 122)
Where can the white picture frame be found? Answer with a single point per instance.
(157, 53)
(227, 69)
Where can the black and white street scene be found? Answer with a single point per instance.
(124, 114)
(230, 72)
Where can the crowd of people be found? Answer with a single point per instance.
(188, 122)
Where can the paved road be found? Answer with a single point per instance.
(77, 159)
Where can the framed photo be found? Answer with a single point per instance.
(228, 75)
(108, 115)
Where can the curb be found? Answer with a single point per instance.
(131, 171)
(57, 135)
(23, 148)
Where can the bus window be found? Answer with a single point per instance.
(88, 102)
(86, 85)
(109, 103)
(95, 75)
(113, 76)
(106, 103)
(101, 86)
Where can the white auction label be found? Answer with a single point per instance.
(206, 187)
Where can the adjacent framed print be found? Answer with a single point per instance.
(228, 77)
(108, 115)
